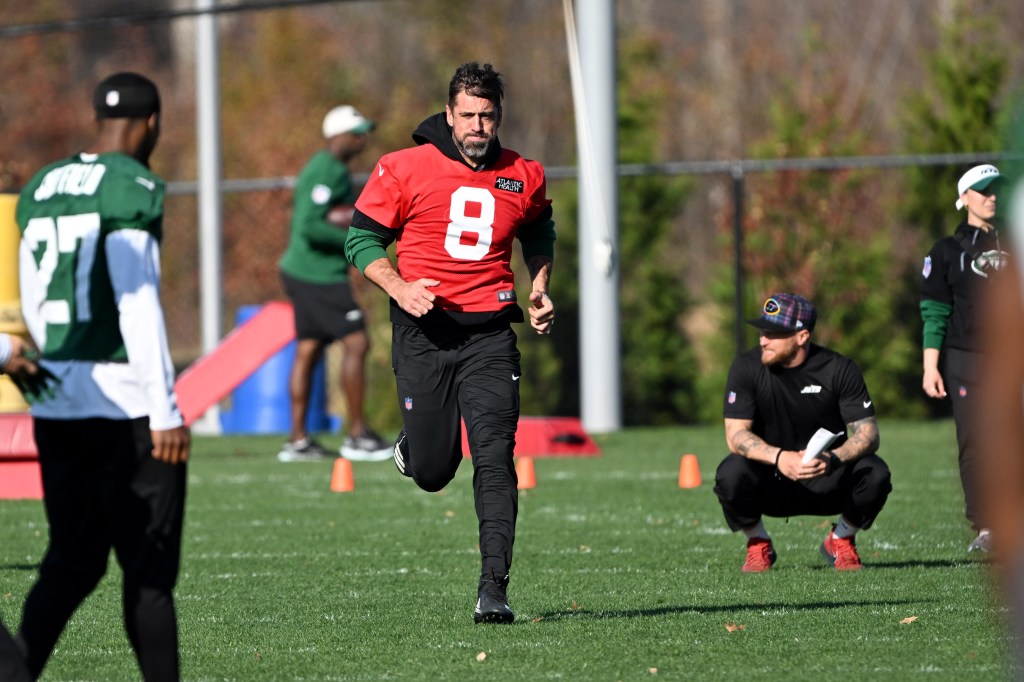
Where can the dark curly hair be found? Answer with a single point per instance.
(478, 81)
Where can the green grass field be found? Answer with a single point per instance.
(619, 575)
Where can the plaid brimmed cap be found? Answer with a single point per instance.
(126, 95)
(786, 313)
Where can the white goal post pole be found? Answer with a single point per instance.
(592, 70)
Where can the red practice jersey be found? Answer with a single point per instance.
(455, 224)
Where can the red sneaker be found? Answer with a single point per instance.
(841, 552)
(760, 555)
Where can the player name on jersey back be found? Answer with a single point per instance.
(76, 179)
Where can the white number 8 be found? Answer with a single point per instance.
(482, 224)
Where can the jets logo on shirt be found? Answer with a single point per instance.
(509, 185)
(811, 389)
(988, 261)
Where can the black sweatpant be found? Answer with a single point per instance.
(469, 374)
(103, 490)
(749, 490)
(960, 374)
(12, 668)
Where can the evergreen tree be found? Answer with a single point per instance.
(956, 112)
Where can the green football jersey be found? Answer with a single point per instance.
(316, 248)
(65, 214)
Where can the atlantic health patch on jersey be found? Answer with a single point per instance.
(509, 185)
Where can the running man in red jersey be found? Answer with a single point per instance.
(454, 204)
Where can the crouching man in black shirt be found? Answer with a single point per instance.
(777, 397)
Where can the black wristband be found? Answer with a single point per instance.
(777, 456)
(832, 461)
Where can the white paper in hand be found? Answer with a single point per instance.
(818, 442)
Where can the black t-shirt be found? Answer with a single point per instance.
(788, 406)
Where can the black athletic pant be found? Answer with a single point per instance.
(12, 668)
(960, 377)
(749, 490)
(472, 374)
(103, 490)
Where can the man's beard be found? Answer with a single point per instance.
(476, 151)
(780, 359)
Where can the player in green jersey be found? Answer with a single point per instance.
(112, 442)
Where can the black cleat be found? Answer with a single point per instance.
(492, 605)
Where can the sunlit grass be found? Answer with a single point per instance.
(618, 575)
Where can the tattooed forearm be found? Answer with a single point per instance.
(863, 440)
(745, 443)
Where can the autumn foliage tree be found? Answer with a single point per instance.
(821, 235)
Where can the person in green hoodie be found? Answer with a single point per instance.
(315, 273)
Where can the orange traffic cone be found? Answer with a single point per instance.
(342, 480)
(525, 474)
(689, 472)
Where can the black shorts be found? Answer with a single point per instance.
(323, 311)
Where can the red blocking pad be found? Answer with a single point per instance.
(16, 439)
(19, 468)
(212, 377)
(548, 437)
(20, 480)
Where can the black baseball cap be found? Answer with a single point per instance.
(126, 95)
